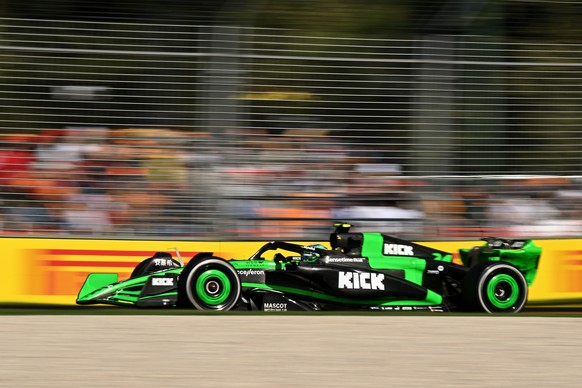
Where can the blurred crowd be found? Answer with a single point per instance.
(163, 183)
(90, 180)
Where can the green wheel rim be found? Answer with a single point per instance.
(212, 278)
(503, 291)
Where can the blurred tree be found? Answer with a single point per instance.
(370, 18)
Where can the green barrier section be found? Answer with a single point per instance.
(52, 271)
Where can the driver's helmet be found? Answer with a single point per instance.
(311, 255)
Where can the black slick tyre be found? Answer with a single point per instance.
(209, 284)
(495, 287)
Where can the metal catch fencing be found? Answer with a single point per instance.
(222, 132)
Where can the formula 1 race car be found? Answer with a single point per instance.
(362, 271)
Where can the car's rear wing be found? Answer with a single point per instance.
(523, 254)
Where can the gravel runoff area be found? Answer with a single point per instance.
(289, 351)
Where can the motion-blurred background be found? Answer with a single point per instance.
(262, 119)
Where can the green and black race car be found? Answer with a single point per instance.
(361, 271)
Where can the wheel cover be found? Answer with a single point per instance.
(501, 288)
(210, 284)
(213, 287)
(503, 291)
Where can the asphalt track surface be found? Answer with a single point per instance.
(110, 348)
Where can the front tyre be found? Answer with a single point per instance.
(209, 284)
(496, 287)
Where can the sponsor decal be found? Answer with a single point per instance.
(436, 271)
(345, 260)
(250, 272)
(398, 250)
(158, 281)
(518, 244)
(164, 263)
(361, 280)
(273, 306)
(406, 308)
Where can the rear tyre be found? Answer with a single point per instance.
(158, 262)
(209, 284)
(495, 287)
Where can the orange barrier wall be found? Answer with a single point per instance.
(53, 270)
